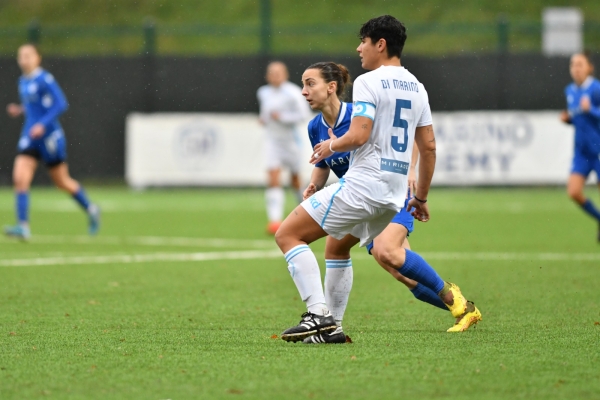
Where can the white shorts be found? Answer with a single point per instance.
(281, 153)
(340, 212)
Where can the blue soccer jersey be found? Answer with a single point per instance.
(587, 124)
(42, 100)
(317, 133)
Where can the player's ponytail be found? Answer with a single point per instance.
(332, 72)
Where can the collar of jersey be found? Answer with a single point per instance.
(586, 84)
(34, 74)
(340, 118)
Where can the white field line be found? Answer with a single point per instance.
(149, 241)
(142, 258)
(264, 254)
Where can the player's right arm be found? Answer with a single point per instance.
(14, 110)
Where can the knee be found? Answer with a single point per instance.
(575, 194)
(281, 238)
(388, 256)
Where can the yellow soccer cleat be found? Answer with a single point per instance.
(471, 317)
(459, 303)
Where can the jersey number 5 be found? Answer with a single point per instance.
(401, 123)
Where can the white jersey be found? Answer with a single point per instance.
(288, 102)
(397, 103)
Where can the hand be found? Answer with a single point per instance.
(412, 182)
(14, 110)
(37, 131)
(309, 191)
(419, 210)
(321, 150)
(585, 103)
(565, 117)
(275, 116)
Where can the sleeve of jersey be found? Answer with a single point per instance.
(59, 101)
(595, 106)
(426, 118)
(312, 135)
(363, 99)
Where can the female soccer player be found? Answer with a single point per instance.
(324, 85)
(583, 111)
(42, 138)
(281, 109)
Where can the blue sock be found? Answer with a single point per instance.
(22, 200)
(589, 208)
(428, 296)
(81, 198)
(417, 269)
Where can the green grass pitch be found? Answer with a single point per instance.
(180, 295)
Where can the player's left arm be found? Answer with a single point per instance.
(357, 135)
(59, 101)
(412, 171)
(593, 104)
(425, 140)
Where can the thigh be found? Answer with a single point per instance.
(339, 249)
(23, 170)
(576, 183)
(298, 227)
(59, 174)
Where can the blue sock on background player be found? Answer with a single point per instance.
(22, 200)
(417, 269)
(81, 198)
(589, 208)
(428, 296)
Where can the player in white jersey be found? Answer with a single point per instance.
(282, 107)
(391, 112)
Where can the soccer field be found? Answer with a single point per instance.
(182, 295)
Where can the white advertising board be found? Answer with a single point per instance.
(474, 148)
(203, 149)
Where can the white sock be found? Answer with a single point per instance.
(275, 198)
(338, 284)
(304, 269)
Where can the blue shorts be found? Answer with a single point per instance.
(52, 149)
(403, 218)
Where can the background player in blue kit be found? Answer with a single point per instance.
(42, 138)
(583, 111)
(324, 85)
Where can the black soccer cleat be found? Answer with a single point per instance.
(334, 337)
(309, 325)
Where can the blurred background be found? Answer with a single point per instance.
(118, 57)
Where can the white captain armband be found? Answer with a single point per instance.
(363, 109)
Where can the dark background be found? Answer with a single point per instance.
(102, 91)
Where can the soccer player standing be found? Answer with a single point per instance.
(282, 107)
(391, 112)
(42, 138)
(583, 111)
(323, 87)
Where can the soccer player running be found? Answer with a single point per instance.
(282, 107)
(583, 111)
(323, 87)
(390, 113)
(42, 138)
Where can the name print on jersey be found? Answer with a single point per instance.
(400, 85)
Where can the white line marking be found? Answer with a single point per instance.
(141, 258)
(148, 241)
(265, 254)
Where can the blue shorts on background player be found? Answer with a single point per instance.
(583, 112)
(42, 139)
